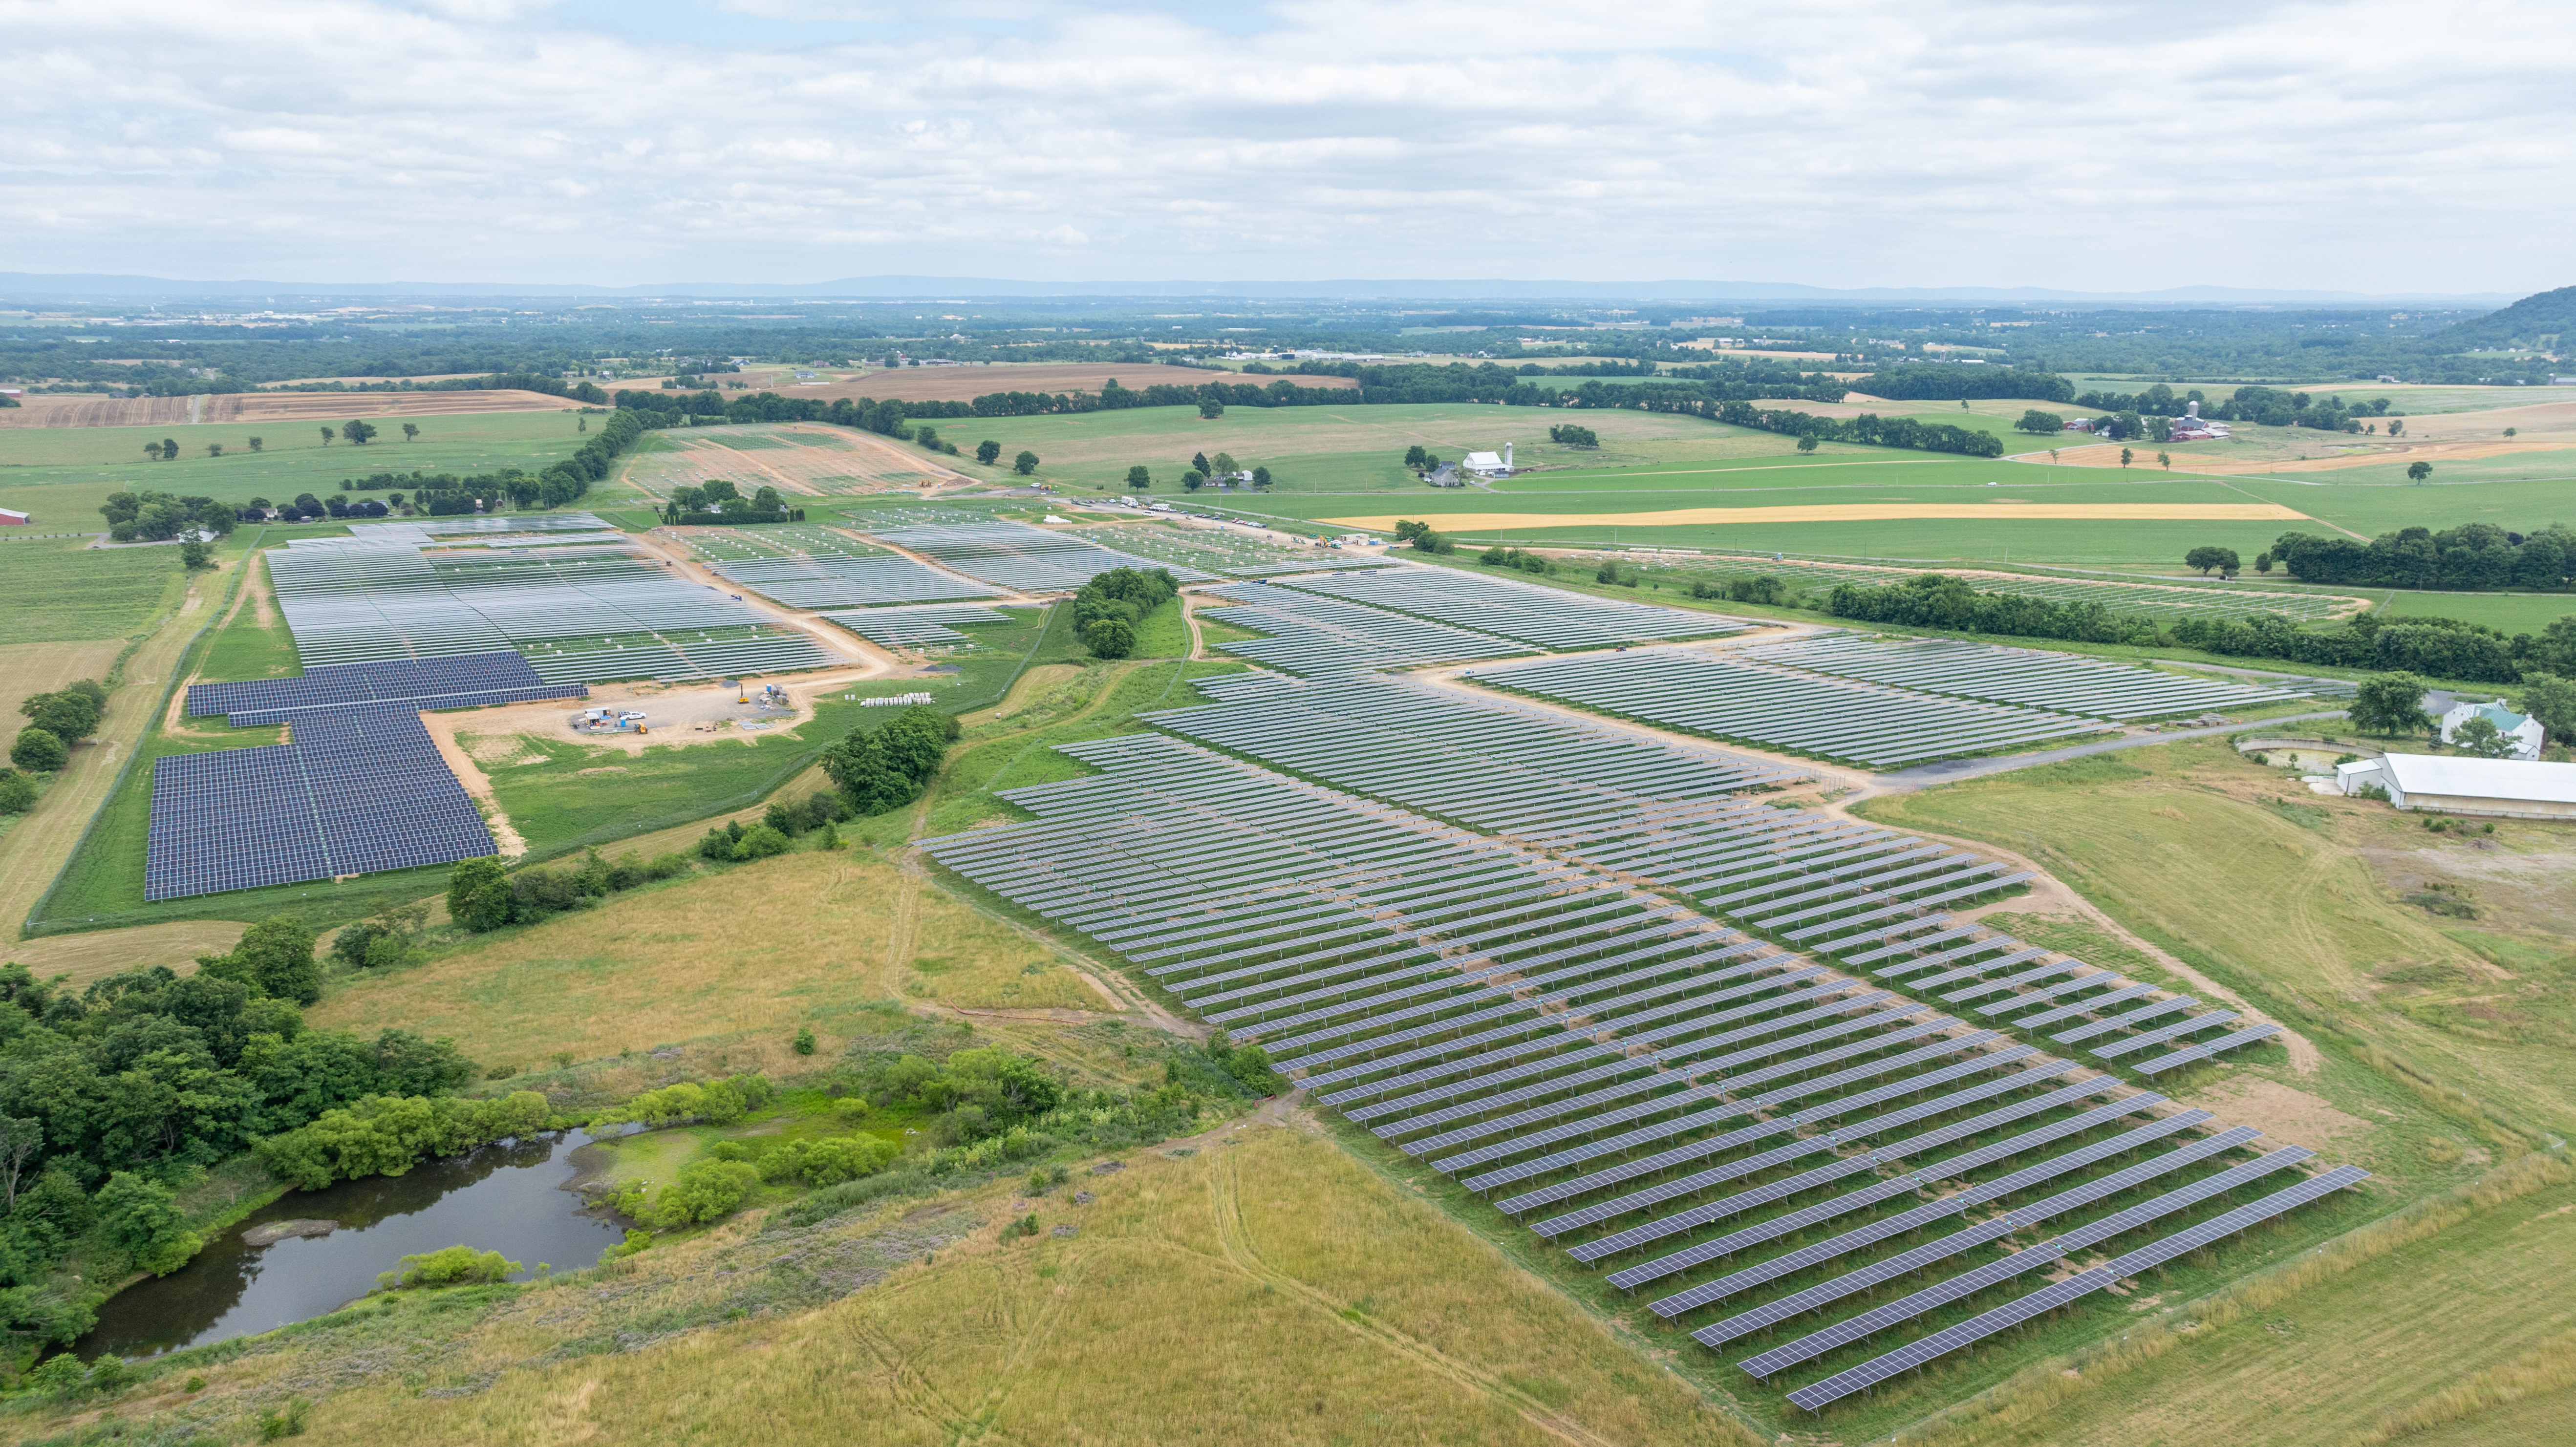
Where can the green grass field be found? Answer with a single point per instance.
(62, 474)
(61, 589)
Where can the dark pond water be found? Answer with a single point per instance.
(509, 1198)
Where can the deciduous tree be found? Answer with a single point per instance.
(2390, 703)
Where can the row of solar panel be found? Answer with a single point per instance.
(359, 790)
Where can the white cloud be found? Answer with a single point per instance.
(2098, 145)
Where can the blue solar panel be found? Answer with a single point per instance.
(466, 681)
(360, 789)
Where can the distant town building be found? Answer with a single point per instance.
(2523, 730)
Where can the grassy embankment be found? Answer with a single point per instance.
(1252, 1286)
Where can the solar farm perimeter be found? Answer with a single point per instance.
(1745, 1062)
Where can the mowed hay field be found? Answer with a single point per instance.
(1254, 1286)
(808, 938)
(807, 459)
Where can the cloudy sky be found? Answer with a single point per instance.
(2386, 148)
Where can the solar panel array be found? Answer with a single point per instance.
(2029, 677)
(2135, 600)
(1312, 634)
(468, 681)
(844, 580)
(1225, 550)
(1672, 816)
(360, 789)
(1675, 1101)
(1549, 618)
(915, 627)
(577, 615)
(1021, 558)
(1734, 696)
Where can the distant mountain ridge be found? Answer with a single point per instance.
(106, 287)
(2548, 314)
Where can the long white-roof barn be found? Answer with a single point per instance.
(2448, 784)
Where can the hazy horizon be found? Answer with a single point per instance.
(2093, 149)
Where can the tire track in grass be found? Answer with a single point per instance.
(1236, 1238)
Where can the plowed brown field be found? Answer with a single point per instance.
(77, 411)
(965, 384)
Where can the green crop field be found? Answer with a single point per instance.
(62, 474)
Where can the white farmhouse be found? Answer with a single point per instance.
(2520, 730)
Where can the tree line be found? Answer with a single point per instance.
(2473, 557)
(1868, 428)
(2440, 647)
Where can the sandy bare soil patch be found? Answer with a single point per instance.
(2288, 1116)
(815, 459)
(1858, 512)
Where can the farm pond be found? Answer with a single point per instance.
(309, 1253)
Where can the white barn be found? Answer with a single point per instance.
(1487, 464)
(2449, 784)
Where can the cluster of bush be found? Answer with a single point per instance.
(155, 517)
(716, 1102)
(448, 1266)
(1502, 557)
(1422, 537)
(718, 501)
(1569, 435)
(55, 722)
(481, 895)
(1764, 589)
(1938, 600)
(386, 1135)
(779, 824)
(887, 767)
(1109, 609)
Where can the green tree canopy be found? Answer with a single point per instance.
(274, 957)
(39, 751)
(2391, 703)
